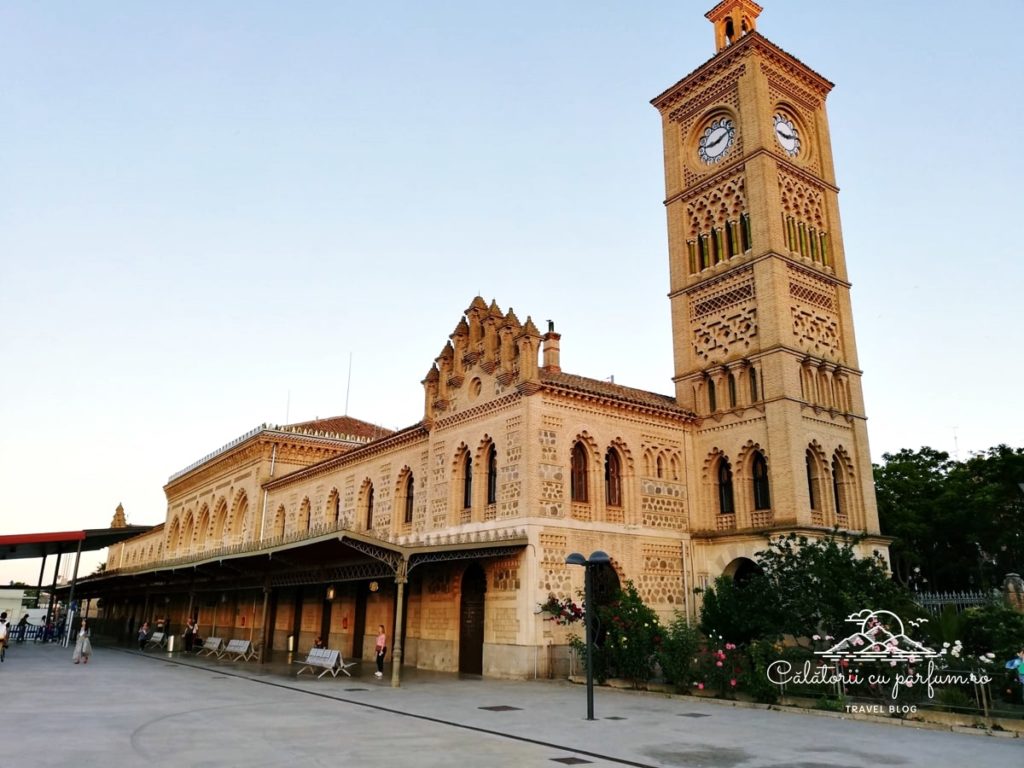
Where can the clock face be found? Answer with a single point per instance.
(716, 140)
(787, 135)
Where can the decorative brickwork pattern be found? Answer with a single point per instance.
(813, 307)
(505, 576)
(554, 573)
(663, 505)
(722, 95)
(723, 314)
(504, 624)
(726, 201)
(802, 199)
(661, 582)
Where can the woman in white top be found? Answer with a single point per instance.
(83, 648)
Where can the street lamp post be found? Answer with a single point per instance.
(596, 558)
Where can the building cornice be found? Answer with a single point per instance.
(752, 42)
(402, 438)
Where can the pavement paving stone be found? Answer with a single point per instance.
(127, 708)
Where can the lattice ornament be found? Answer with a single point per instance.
(802, 200)
(714, 207)
(816, 331)
(725, 316)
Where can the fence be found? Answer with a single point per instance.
(935, 602)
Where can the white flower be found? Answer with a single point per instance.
(816, 637)
(945, 645)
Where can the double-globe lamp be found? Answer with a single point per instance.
(589, 614)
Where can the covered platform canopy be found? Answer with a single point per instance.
(28, 545)
(20, 546)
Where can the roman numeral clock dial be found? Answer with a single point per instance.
(787, 135)
(715, 140)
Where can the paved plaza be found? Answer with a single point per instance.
(126, 708)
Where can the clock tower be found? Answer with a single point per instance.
(762, 324)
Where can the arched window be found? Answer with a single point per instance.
(410, 495)
(732, 391)
(725, 499)
(279, 522)
(762, 497)
(838, 487)
(712, 397)
(753, 385)
(660, 469)
(613, 478)
(369, 507)
(578, 476)
(238, 519)
(467, 482)
(492, 474)
(812, 485)
(305, 521)
(335, 507)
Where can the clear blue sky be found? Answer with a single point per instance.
(206, 207)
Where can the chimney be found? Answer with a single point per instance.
(552, 360)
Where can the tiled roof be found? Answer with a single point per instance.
(615, 391)
(344, 425)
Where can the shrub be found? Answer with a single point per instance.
(761, 653)
(720, 667)
(993, 628)
(629, 636)
(677, 653)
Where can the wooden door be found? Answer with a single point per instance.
(471, 621)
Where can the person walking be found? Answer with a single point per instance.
(189, 635)
(5, 635)
(83, 647)
(380, 647)
(22, 629)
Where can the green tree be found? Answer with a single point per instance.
(959, 523)
(910, 488)
(805, 587)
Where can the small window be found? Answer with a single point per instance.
(762, 497)
(812, 487)
(578, 476)
(410, 497)
(725, 499)
(613, 478)
(492, 474)
(369, 508)
(712, 399)
(838, 491)
(753, 385)
(732, 391)
(467, 483)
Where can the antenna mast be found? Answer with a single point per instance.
(348, 385)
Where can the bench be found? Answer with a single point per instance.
(327, 660)
(157, 639)
(212, 647)
(241, 650)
